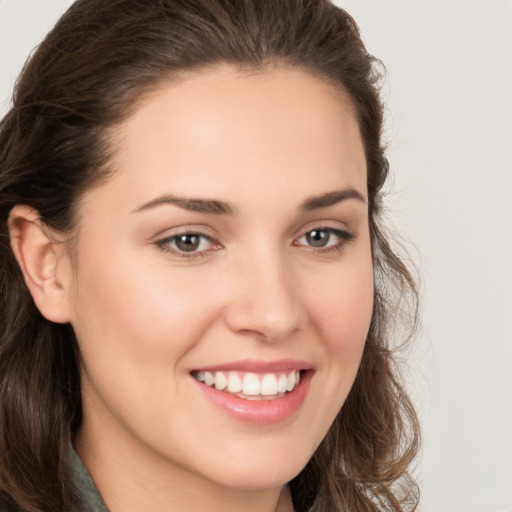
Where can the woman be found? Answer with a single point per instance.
(195, 287)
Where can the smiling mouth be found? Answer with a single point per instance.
(249, 385)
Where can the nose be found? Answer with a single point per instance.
(265, 301)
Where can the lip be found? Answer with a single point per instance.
(253, 366)
(257, 412)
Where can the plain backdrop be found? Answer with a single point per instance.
(448, 91)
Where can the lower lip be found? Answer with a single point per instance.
(260, 412)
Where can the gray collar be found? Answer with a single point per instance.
(84, 483)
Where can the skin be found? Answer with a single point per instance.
(256, 289)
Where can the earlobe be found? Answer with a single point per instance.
(43, 261)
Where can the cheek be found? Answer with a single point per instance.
(135, 325)
(140, 315)
(340, 315)
(343, 315)
(344, 309)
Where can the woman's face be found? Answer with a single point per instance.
(229, 250)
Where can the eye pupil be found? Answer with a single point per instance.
(188, 242)
(317, 238)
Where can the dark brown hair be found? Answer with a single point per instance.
(87, 76)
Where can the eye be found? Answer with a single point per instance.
(186, 244)
(190, 242)
(325, 238)
(318, 237)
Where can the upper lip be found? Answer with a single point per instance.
(257, 366)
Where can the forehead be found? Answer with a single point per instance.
(213, 127)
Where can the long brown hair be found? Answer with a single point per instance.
(87, 76)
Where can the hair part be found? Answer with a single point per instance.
(86, 77)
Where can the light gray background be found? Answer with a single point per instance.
(449, 93)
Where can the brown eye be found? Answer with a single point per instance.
(318, 237)
(325, 239)
(188, 242)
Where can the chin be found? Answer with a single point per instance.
(268, 473)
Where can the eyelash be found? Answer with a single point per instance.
(165, 243)
(342, 235)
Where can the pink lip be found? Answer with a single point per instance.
(250, 365)
(259, 412)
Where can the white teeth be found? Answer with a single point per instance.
(234, 383)
(290, 381)
(209, 378)
(220, 381)
(251, 385)
(269, 385)
(281, 383)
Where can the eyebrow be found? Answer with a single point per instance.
(331, 198)
(216, 207)
(211, 206)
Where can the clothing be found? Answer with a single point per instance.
(84, 483)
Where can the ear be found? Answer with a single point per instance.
(44, 262)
